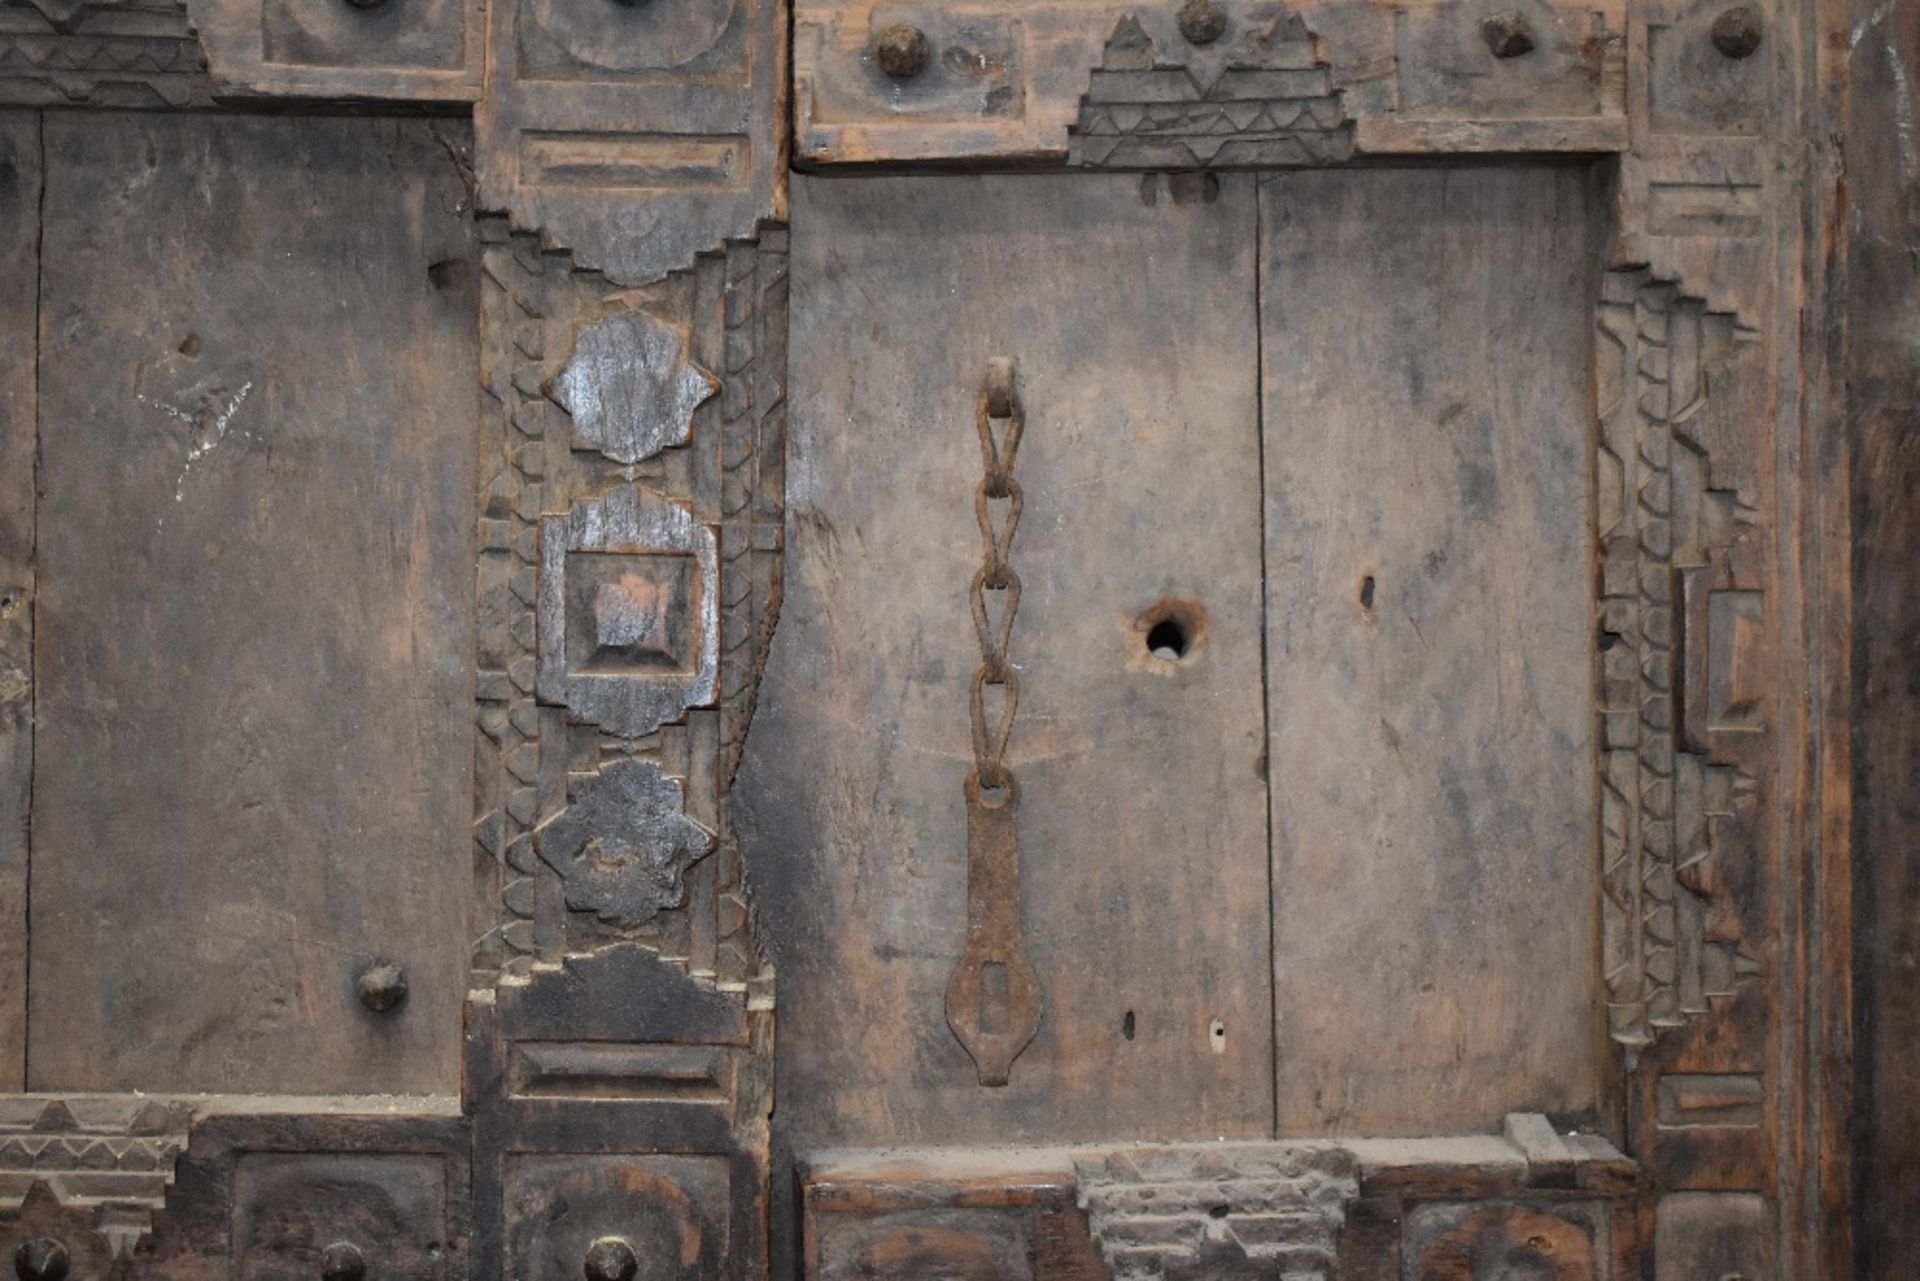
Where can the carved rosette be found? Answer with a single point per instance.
(1664, 531)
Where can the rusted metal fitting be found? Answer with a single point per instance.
(611, 1259)
(1508, 34)
(40, 1259)
(1202, 21)
(1000, 387)
(902, 51)
(382, 986)
(342, 1261)
(1736, 32)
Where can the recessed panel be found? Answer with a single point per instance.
(1428, 418)
(1126, 304)
(253, 638)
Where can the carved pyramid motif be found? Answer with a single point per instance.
(1272, 104)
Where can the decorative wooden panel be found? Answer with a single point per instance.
(1527, 1202)
(427, 50)
(1682, 678)
(619, 1032)
(1214, 82)
(138, 54)
(636, 135)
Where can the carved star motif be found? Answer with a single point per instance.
(624, 844)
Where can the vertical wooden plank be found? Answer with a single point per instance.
(19, 302)
(1883, 379)
(253, 638)
(1127, 303)
(1428, 439)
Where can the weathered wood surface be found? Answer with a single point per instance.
(20, 178)
(1425, 344)
(252, 641)
(1014, 84)
(1128, 305)
(634, 135)
(1883, 370)
(1454, 1208)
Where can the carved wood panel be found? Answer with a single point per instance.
(1619, 895)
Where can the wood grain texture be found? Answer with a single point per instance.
(1430, 671)
(19, 308)
(253, 642)
(1883, 368)
(1129, 309)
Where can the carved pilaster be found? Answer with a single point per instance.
(621, 1027)
(1671, 620)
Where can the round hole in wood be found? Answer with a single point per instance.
(1172, 632)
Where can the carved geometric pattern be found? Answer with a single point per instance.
(1659, 521)
(1276, 106)
(753, 445)
(136, 53)
(660, 561)
(1244, 1211)
(105, 1150)
(631, 388)
(527, 293)
(623, 843)
(638, 135)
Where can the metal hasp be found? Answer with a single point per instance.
(994, 1001)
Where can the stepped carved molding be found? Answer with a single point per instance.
(1671, 622)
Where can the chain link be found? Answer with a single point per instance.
(999, 405)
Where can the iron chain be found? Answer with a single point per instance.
(999, 407)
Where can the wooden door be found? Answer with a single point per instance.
(1016, 642)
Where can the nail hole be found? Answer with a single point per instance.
(1217, 1036)
(1220, 1211)
(449, 273)
(1366, 592)
(1173, 631)
(1167, 639)
(190, 346)
(1126, 1026)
